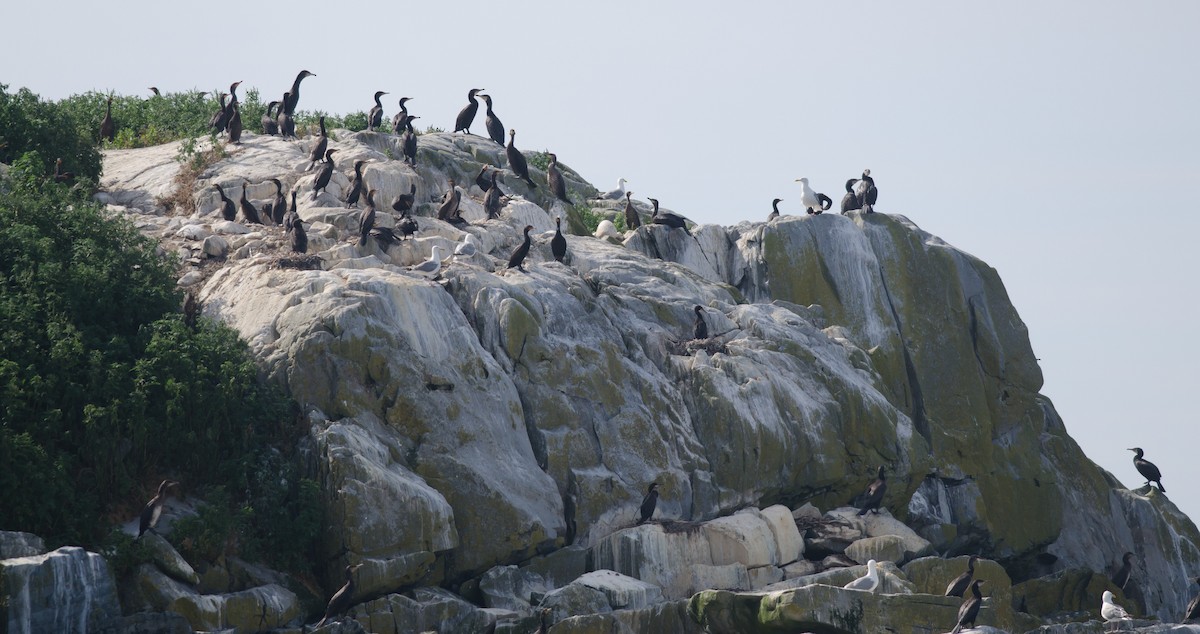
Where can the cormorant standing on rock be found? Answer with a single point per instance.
(233, 100)
(220, 119)
(558, 244)
(869, 193)
(408, 143)
(466, 116)
(153, 508)
(518, 256)
(293, 96)
(228, 210)
(248, 210)
(356, 185)
(107, 129)
(960, 583)
(1109, 609)
(1193, 608)
(340, 601)
(1147, 469)
(666, 218)
(279, 207)
(701, 331)
(235, 124)
(516, 160)
(873, 496)
(492, 199)
(318, 150)
(299, 237)
(407, 225)
(632, 219)
(287, 124)
(291, 217)
(401, 117)
(481, 179)
(323, 176)
(450, 203)
(269, 124)
(404, 202)
(1122, 577)
(850, 203)
(495, 129)
(558, 185)
(649, 503)
(812, 201)
(969, 610)
(375, 117)
(366, 220)
(774, 209)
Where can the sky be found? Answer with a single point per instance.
(1056, 141)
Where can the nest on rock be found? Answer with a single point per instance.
(675, 526)
(300, 263)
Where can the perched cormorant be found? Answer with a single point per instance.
(107, 129)
(666, 218)
(466, 116)
(1147, 469)
(492, 122)
(220, 119)
(299, 237)
(366, 220)
(235, 123)
(318, 150)
(154, 89)
(279, 207)
(404, 202)
(558, 244)
(191, 309)
(401, 117)
(287, 125)
(701, 330)
(812, 201)
(632, 219)
(228, 210)
(869, 193)
(960, 583)
(1122, 577)
(850, 202)
(558, 185)
(408, 143)
(407, 225)
(229, 108)
(868, 582)
(648, 504)
(516, 160)
(248, 210)
(481, 179)
(492, 202)
(60, 176)
(969, 610)
(873, 496)
(375, 117)
(293, 96)
(356, 185)
(291, 217)
(774, 209)
(616, 194)
(153, 508)
(269, 124)
(323, 176)
(340, 601)
(518, 256)
(450, 202)
(1193, 607)
(267, 213)
(1110, 610)
(233, 93)
(433, 265)
(385, 236)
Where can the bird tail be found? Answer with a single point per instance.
(531, 183)
(957, 629)
(862, 512)
(1160, 486)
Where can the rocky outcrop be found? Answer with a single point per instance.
(68, 590)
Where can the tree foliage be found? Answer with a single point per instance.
(53, 130)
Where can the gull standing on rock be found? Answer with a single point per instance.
(433, 265)
(1111, 611)
(814, 202)
(467, 247)
(616, 194)
(868, 582)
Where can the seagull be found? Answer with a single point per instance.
(868, 582)
(616, 194)
(467, 247)
(433, 265)
(1111, 611)
(812, 201)
(606, 229)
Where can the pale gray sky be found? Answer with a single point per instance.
(1057, 141)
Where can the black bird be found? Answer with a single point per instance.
(279, 207)
(407, 225)
(366, 220)
(518, 257)
(492, 202)
(701, 330)
(1147, 469)
(1122, 576)
(299, 237)
(356, 185)
(340, 601)
(481, 179)
(516, 160)
(318, 150)
(287, 125)
(1193, 607)
(191, 309)
(450, 202)
(154, 89)
(850, 202)
(632, 219)
(969, 610)
(774, 209)
(228, 210)
(153, 508)
(648, 503)
(233, 100)
(825, 201)
(375, 117)
(492, 122)
(269, 124)
(960, 583)
(666, 218)
(248, 210)
(220, 119)
(558, 244)
(107, 129)
(404, 202)
(291, 217)
(235, 124)
(869, 193)
(401, 117)
(60, 176)
(323, 176)
(293, 97)
(408, 143)
(466, 116)
(558, 185)
(873, 496)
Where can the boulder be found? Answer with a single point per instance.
(622, 592)
(669, 617)
(788, 542)
(931, 575)
(891, 579)
(68, 590)
(511, 588)
(575, 598)
(15, 544)
(428, 609)
(155, 623)
(168, 559)
(270, 606)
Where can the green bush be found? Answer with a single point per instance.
(29, 124)
(145, 121)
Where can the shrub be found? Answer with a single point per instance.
(29, 124)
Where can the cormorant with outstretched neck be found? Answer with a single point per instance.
(279, 206)
(340, 601)
(969, 610)
(1193, 607)
(233, 101)
(248, 210)
(107, 129)
(466, 116)
(558, 244)
(666, 218)
(448, 211)
(850, 202)
(299, 237)
(516, 160)
(154, 89)
(1122, 577)
(648, 504)
(404, 202)
(960, 583)
(366, 220)
(492, 122)
(220, 119)
(287, 125)
(318, 150)
(492, 202)
(873, 496)
(153, 509)
(774, 209)
(700, 332)
(228, 210)
(269, 124)
(235, 123)
(632, 219)
(518, 256)
(558, 185)
(401, 117)
(481, 179)
(408, 143)
(323, 176)
(356, 185)
(1147, 469)
(293, 96)
(375, 117)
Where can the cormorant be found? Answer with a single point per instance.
(233, 101)
(107, 129)
(969, 610)
(450, 202)
(701, 330)
(228, 210)
(269, 124)
(299, 237)
(375, 117)
(279, 207)
(1193, 607)
(1147, 469)
(287, 125)
(366, 220)
(1110, 610)
(850, 202)
(323, 176)
(153, 508)
(248, 210)
(648, 504)
(401, 117)
(433, 265)
(492, 199)
(154, 89)
(774, 209)
(869, 193)
(407, 225)
(191, 309)
(616, 194)
(632, 219)
(220, 119)
(404, 202)
(960, 583)
(385, 236)
(873, 496)
(60, 176)
(291, 217)
(235, 123)
(293, 96)
(408, 143)
(558, 244)
(558, 185)
(1122, 577)
(868, 582)
(340, 601)
(812, 201)
(467, 115)
(518, 256)
(516, 160)
(481, 179)
(492, 122)
(666, 218)
(318, 150)
(356, 185)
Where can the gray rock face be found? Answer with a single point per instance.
(14, 544)
(68, 590)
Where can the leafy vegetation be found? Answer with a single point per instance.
(52, 130)
(538, 159)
